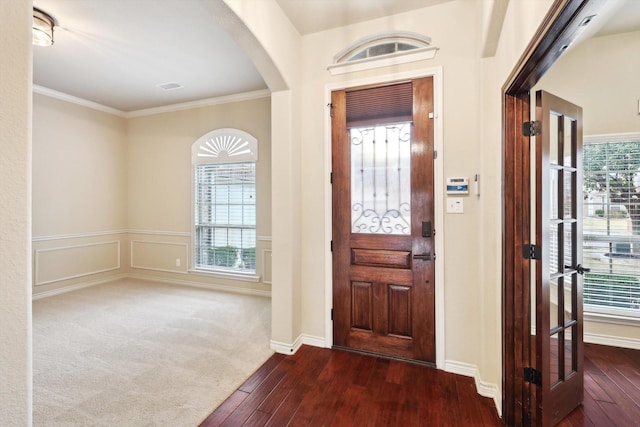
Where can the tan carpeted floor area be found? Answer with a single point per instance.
(140, 353)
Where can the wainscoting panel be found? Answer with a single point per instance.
(160, 256)
(266, 266)
(68, 262)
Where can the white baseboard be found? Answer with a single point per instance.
(285, 348)
(65, 289)
(314, 341)
(484, 389)
(211, 286)
(612, 341)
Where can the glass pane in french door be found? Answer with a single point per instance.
(562, 241)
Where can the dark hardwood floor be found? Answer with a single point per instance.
(322, 387)
(611, 389)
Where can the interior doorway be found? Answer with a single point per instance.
(559, 28)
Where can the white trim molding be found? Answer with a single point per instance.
(232, 275)
(483, 388)
(228, 99)
(65, 289)
(632, 343)
(420, 49)
(438, 189)
(210, 286)
(39, 252)
(78, 101)
(612, 137)
(386, 61)
(160, 233)
(266, 279)
(286, 348)
(183, 265)
(78, 235)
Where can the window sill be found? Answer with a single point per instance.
(232, 275)
(616, 319)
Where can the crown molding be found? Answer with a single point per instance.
(228, 99)
(78, 101)
(238, 97)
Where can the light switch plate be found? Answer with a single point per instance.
(455, 205)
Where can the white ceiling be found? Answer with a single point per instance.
(116, 52)
(311, 16)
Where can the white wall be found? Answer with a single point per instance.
(15, 213)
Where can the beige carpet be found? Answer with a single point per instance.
(138, 353)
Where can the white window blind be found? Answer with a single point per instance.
(225, 216)
(612, 226)
(224, 165)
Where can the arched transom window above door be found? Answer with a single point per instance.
(383, 49)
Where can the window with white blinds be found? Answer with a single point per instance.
(612, 226)
(224, 164)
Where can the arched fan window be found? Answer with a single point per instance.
(383, 49)
(224, 169)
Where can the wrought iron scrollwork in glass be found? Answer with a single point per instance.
(381, 179)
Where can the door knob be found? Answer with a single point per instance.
(579, 269)
(425, 256)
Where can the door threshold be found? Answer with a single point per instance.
(385, 356)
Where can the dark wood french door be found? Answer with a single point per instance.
(559, 345)
(383, 220)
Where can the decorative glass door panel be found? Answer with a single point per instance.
(381, 179)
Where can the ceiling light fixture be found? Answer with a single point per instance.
(43, 25)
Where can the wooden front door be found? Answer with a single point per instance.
(559, 345)
(383, 220)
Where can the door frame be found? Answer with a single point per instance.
(559, 28)
(438, 188)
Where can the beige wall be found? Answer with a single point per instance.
(79, 169)
(521, 21)
(112, 196)
(15, 213)
(600, 75)
(477, 291)
(472, 144)
(79, 195)
(265, 33)
(459, 57)
(159, 184)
